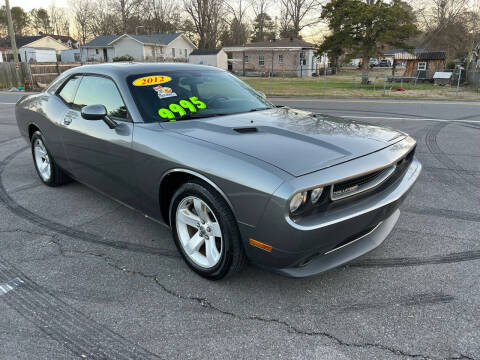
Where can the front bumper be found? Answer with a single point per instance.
(346, 253)
(331, 239)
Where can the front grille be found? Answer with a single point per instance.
(359, 184)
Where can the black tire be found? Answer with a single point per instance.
(57, 175)
(233, 257)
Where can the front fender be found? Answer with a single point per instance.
(247, 183)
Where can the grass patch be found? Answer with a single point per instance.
(348, 84)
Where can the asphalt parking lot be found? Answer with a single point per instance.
(84, 277)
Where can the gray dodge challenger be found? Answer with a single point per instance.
(234, 177)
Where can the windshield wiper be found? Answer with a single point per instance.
(198, 116)
(259, 109)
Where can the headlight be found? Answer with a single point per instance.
(297, 201)
(315, 195)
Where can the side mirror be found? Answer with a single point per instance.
(98, 112)
(94, 112)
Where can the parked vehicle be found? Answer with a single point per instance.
(373, 62)
(385, 63)
(235, 177)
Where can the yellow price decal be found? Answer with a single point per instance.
(151, 80)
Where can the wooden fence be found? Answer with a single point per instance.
(35, 76)
(42, 74)
(10, 76)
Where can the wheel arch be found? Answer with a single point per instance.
(173, 179)
(31, 128)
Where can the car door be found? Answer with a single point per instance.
(60, 98)
(98, 155)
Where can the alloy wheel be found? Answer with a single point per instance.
(199, 232)
(42, 160)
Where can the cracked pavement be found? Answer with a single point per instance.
(102, 282)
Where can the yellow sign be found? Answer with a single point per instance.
(151, 80)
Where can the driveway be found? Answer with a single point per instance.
(82, 277)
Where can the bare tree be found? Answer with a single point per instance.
(161, 15)
(104, 21)
(259, 6)
(285, 24)
(125, 10)
(237, 29)
(207, 16)
(447, 26)
(59, 20)
(298, 14)
(82, 16)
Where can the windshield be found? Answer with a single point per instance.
(180, 95)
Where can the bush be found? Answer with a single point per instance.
(123, 58)
(450, 65)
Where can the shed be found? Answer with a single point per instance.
(442, 78)
(212, 57)
(37, 54)
(70, 55)
(422, 64)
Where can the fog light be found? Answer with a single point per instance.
(297, 201)
(316, 193)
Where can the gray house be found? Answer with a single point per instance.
(154, 47)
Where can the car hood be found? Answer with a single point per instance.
(295, 141)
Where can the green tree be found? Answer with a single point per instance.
(40, 20)
(20, 20)
(365, 27)
(235, 33)
(264, 28)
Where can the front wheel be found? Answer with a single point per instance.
(205, 231)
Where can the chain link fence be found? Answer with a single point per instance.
(378, 82)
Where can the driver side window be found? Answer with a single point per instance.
(68, 91)
(99, 90)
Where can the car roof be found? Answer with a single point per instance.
(119, 70)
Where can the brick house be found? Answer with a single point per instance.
(281, 57)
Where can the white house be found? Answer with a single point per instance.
(212, 57)
(41, 42)
(154, 47)
(37, 54)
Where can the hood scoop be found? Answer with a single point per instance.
(246, 130)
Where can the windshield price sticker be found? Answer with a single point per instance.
(151, 80)
(164, 92)
(180, 107)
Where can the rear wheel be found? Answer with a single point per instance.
(205, 231)
(47, 169)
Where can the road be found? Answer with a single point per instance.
(84, 277)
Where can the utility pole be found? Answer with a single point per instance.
(12, 39)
